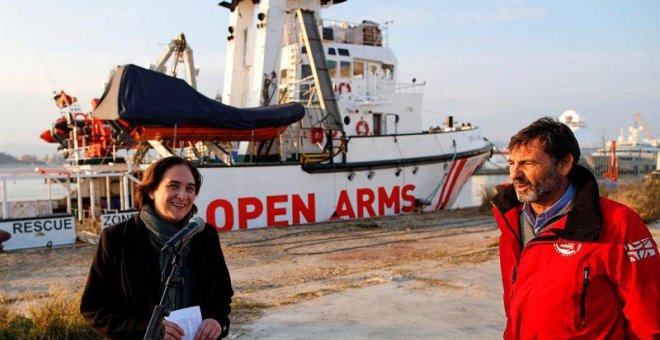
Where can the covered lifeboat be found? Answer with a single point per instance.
(155, 106)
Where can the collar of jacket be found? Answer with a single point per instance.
(583, 222)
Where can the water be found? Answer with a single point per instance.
(31, 190)
(22, 188)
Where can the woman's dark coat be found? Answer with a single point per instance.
(124, 285)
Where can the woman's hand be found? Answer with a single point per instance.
(209, 329)
(172, 331)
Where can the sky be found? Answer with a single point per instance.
(497, 64)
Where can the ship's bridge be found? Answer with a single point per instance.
(363, 72)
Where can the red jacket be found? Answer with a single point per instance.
(591, 274)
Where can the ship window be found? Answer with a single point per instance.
(332, 68)
(345, 69)
(332, 51)
(304, 91)
(305, 71)
(373, 69)
(328, 33)
(303, 50)
(378, 120)
(343, 51)
(388, 71)
(283, 76)
(358, 70)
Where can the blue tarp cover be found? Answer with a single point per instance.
(150, 98)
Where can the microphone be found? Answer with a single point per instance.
(180, 239)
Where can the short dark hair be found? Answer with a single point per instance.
(556, 138)
(154, 175)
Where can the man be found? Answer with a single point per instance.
(574, 264)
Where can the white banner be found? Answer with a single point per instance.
(39, 232)
(114, 218)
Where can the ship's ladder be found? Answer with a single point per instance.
(294, 90)
(316, 56)
(291, 74)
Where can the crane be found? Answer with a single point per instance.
(612, 172)
(184, 54)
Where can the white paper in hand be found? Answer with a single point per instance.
(189, 319)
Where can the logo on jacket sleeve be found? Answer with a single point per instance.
(640, 249)
(565, 248)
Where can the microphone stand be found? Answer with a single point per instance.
(155, 327)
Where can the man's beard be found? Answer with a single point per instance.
(543, 188)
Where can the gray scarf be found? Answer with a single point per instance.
(160, 232)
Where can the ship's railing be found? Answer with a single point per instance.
(290, 147)
(366, 33)
(413, 87)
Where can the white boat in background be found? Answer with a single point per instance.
(359, 150)
(630, 156)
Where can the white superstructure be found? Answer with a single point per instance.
(360, 150)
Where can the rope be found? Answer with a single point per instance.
(492, 148)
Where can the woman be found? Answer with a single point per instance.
(127, 276)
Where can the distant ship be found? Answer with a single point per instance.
(629, 156)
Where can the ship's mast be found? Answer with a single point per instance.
(254, 42)
(238, 60)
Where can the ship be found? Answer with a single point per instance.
(313, 125)
(629, 156)
(632, 155)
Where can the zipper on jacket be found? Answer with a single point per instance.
(583, 299)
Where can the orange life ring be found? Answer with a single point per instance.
(317, 135)
(362, 128)
(344, 85)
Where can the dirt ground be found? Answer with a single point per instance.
(442, 302)
(274, 269)
(288, 266)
